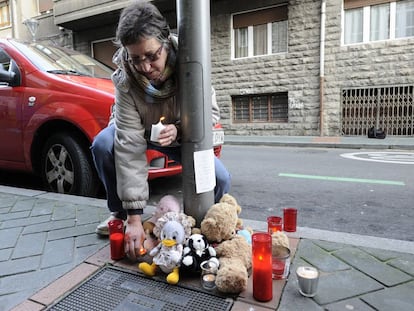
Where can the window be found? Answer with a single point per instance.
(261, 32)
(4, 14)
(260, 108)
(374, 20)
(45, 6)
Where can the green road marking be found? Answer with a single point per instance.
(371, 181)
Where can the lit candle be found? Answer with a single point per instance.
(156, 130)
(116, 238)
(116, 241)
(262, 266)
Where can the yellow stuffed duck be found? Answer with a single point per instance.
(173, 229)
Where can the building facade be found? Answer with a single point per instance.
(281, 67)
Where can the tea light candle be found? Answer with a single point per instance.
(156, 130)
(262, 266)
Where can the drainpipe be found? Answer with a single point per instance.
(194, 96)
(322, 67)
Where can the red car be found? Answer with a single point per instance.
(53, 101)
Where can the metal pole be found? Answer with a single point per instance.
(194, 95)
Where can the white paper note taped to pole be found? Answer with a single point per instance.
(204, 171)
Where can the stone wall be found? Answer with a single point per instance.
(295, 72)
(381, 63)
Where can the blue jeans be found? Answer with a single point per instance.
(103, 155)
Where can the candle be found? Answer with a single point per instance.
(156, 130)
(308, 278)
(116, 238)
(208, 274)
(274, 223)
(116, 241)
(262, 266)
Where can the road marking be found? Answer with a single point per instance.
(384, 157)
(346, 179)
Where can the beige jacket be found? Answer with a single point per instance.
(134, 113)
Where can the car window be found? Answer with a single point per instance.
(63, 61)
(4, 60)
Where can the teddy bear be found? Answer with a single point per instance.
(219, 226)
(173, 229)
(167, 203)
(197, 251)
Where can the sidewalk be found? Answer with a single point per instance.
(48, 246)
(351, 142)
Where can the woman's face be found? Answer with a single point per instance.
(149, 57)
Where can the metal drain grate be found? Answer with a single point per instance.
(114, 289)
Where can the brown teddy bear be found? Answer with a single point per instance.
(219, 226)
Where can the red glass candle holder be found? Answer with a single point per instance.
(274, 223)
(262, 266)
(116, 238)
(289, 219)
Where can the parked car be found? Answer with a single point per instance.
(53, 101)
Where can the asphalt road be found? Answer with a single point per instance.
(332, 192)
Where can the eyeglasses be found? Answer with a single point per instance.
(147, 59)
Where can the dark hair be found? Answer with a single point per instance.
(141, 20)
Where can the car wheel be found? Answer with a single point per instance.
(66, 168)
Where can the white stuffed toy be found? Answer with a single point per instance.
(173, 229)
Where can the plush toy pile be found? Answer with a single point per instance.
(219, 238)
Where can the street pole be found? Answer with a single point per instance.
(194, 95)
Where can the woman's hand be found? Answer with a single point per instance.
(134, 237)
(168, 135)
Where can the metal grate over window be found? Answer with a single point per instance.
(118, 290)
(260, 108)
(389, 108)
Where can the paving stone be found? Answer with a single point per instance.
(9, 237)
(349, 305)
(329, 246)
(7, 200)
(4, 210)
(43, 207)
(90, 239)
(22, 205)
(90, 214)
(21, 265)
(399, 298)
(64, 210)
(26, 221)
(319, 258)
(49, 225)
(29, 245)
(381, 254)
(5, 254)
(84, 252)
(17, 215)
(371, 266)
(58, 252)
(7, 302)
(71, 232)
(342, 285)
(405, 265)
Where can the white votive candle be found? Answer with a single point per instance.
(156, 130)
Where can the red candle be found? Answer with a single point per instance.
(116, 238)
(262, 266)
(274, 223)
(116, 241)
